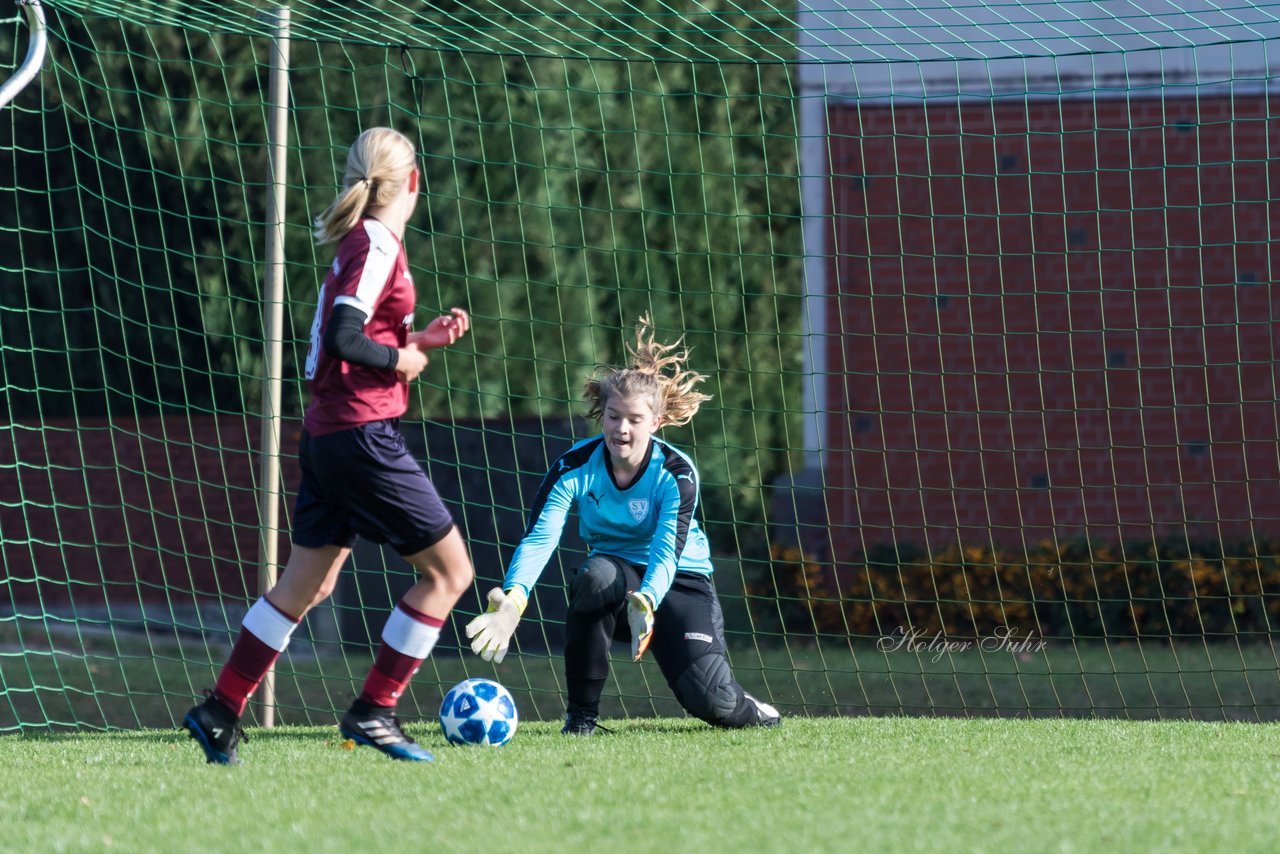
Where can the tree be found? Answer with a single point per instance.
(565, 197)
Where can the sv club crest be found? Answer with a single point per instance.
(639, 508)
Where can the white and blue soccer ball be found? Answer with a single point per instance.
(478, 711)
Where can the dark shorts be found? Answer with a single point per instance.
(363, 482)
(688, 640)
(687, 626)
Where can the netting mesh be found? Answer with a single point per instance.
(990, 338)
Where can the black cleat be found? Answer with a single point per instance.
(579, 721)
(381, 731)
(766, 715)
(217, 730)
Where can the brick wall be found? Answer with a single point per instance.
(1053, 317)
(164, 509)
(131, 509)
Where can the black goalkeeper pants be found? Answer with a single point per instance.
(688, 641)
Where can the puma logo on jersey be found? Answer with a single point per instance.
(408, 319)
(594, 497)
(563, 465)
(686, 476)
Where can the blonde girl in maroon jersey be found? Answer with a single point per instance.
(358, 479)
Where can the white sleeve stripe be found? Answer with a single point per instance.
(378, 264)
(366, 310)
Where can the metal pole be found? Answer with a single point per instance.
(36, 43)
(269, 494)
(815, 194)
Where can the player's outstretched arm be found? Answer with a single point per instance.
(443, 331)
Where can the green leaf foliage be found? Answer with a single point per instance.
(564, 198)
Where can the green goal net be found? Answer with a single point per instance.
(984, 292)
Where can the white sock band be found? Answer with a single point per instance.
(408, 636)
(268, 624)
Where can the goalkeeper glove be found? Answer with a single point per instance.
(491, 632)
(640, 619)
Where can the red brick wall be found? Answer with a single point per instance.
(164, 509)
(127, 509)
(1053, 317)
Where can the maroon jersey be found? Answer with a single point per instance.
(371, 273)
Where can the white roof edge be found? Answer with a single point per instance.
(988, 48)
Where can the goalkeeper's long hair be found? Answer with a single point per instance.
(379, 163)
(656, 372)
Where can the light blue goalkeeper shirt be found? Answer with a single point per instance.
(650, 523)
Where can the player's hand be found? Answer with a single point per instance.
(640, 619)
(491, 632)
(410, 363)
(444, 330)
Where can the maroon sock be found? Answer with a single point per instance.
(252, 656)
(406, 642)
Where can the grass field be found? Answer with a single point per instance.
(814, 784)
(870, 780)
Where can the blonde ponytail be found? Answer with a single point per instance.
(379, 163)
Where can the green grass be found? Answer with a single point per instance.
(814, 784)
(873, 781)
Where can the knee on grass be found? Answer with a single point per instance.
(707, 691)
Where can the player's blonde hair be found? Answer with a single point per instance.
(657, 372)
(379, 163)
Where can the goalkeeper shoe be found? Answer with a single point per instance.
(766, 715)
(579, 721)
(216, 729)
(381, 731)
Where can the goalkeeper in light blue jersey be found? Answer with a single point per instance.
(647, 576)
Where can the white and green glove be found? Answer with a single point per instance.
(640, 619)
(491, 632)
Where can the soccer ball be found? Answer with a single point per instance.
(478, 711)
